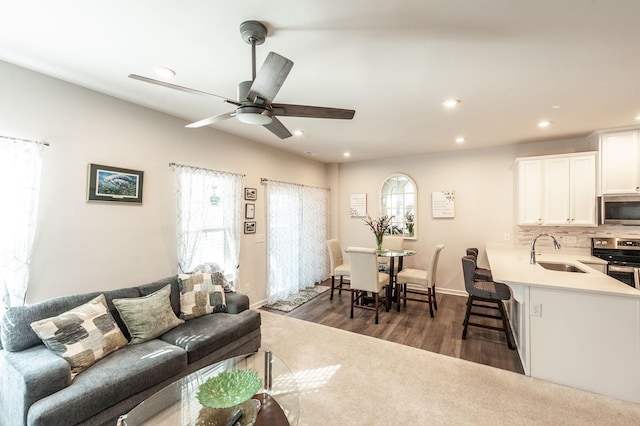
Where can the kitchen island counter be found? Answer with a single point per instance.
(510, 265)
(580, 329)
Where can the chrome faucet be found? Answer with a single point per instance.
(533, 246)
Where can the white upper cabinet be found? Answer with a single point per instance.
(530, 192)
(620, 162)
(557, 190)
(582, 181)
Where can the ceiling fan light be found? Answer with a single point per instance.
(253, 115)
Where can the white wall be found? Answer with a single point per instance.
(83, 246)
(484, 184)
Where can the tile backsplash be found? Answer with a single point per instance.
(583, 234)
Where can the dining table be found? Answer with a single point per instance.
(392, 255)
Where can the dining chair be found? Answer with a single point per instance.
(480, 274)
(489, 292)
(366, 278)
(424, 280)
(338, 266)
(394, 244)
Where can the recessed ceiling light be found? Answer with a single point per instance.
(347, 154)
(544, 123)
(164, 72)
(298, 132)
(451, 103)
(555, 106)
(460, 140)
(637, 117)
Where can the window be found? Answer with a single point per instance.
(398, 198)
(298, 226)
(20, 166)
(209, 218)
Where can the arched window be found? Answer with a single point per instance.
(398, 198)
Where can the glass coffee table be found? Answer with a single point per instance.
(177, 404)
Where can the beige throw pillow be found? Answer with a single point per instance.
(82, 335)
(200, 296)
(147, 317)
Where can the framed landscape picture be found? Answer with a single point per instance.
(106, 183)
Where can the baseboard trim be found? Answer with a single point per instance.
(452, 292)
(259, 304)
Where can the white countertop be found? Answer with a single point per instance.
(510, 265)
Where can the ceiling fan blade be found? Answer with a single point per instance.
(181, 88)
(312, 111)
(211, 120)
(277, 128)
(272, 74)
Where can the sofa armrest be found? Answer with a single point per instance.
(28, 376)
(237, 302)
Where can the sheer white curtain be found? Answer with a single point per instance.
(208, 218)
(20, 167)
(297, 223)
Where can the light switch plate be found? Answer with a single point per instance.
(535, 309)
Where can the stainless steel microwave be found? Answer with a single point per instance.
(620, 209)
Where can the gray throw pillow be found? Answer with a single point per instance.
(148, 317)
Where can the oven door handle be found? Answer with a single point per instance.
(616, 268)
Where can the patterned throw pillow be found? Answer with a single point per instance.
(149, 316)
(200, 296)
(217, 275)
(82, 335)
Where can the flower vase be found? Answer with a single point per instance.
(379, 241)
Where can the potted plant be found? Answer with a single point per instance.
(379, 227)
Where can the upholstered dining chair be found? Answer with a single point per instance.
(366, 278)
(425, 280)
(393, 243)
(338, 266)
(480, 274)
(487, 292)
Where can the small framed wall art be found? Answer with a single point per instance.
(249, 211)
(249, 227)
(106, 183)
(250, 194)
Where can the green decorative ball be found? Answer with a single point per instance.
(229, 388)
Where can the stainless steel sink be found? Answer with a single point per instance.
(564, 267)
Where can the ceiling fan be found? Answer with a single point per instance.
(255, 98)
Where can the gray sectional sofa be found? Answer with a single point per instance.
(36, 386)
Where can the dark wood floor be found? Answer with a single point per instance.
(413, 326)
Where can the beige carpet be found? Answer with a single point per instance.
(350, 379)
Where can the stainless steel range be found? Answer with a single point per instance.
(623, 255)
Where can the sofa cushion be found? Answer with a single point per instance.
(17, 333)
(82, 335)
(208, 333)
(117, 377)
(148, 317)
(200, 296)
